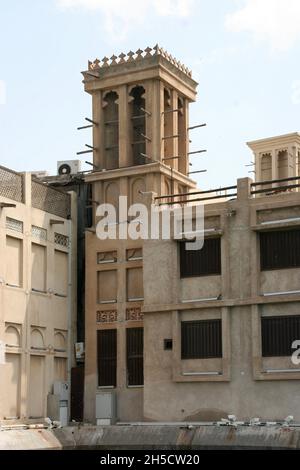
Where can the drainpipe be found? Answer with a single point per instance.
(72, 291)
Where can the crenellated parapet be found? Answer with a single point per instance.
(136, 57)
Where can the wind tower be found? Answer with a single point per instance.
(140, 123)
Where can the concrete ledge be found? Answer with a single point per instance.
(159, 437)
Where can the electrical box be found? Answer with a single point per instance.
(62, 390)
(106, 409)
(79, 352)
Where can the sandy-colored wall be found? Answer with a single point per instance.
(35, 326)
(243, 386)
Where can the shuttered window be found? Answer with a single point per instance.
(201, 339)
(204, 262)
(278, 335)
(135, 359)
(107, 358)
(280, 249)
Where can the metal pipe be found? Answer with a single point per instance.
(92, 164)
(195, 172)
(171, 137)
(196, 127)
(149, 158)
(90, 147)
(138, 117)
(261, 183)
(277, 189)
(197, 200)
(146, 137)
(92, 122)
(197, 192)
(85, 151)
(171, 111)
(198, 151)
(146, 112)
(85, 127)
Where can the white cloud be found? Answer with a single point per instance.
(274, 21)
(2, 92)
(122, 15)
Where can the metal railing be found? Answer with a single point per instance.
(271, 190)
(172, 198)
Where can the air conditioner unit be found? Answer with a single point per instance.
(68, 167)
(106, 408)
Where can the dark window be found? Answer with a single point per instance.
(204, 262)
(280, 249)
(107, 358)
(89, 206)
(201, 339)
(278, 334)
(135, 359)
(168, 344)
(138, 120)
(111, 130)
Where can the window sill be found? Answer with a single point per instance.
(106, 388)
(205, 377)
(277, 374)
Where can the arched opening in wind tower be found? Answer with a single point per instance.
(111, 130)
(182, 139)
(168, 129)
(138, 125)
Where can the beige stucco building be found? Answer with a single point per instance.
(177, 336)
(37, 293)
(219, 325)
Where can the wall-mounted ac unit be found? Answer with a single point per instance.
(68, 167)
(106, 408)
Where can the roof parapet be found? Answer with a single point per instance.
(136, 57)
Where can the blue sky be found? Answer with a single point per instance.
(244, 53)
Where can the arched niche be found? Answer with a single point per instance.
(111, 129)
(283, 164)
(12, 336)
(37, 339)
(60, 343)
(112, 194)
(266, 167)
(138, 185)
